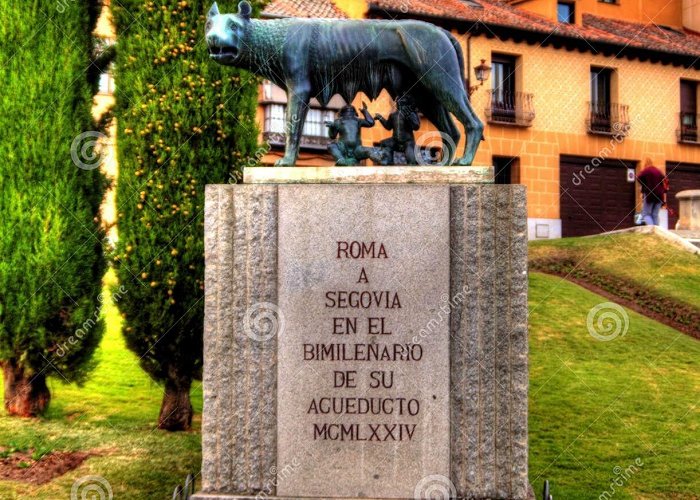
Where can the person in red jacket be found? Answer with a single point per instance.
(653, 191)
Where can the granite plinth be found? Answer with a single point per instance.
(456, 258)
(369, 175)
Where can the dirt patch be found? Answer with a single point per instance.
(666, 310)
(20, 466)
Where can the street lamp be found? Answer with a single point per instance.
(482, 72)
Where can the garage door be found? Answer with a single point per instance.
(681, 176)
(595, 199)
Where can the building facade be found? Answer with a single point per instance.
(581, 94)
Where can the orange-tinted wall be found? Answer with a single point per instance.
(560, 83)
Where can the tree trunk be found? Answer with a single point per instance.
(176, 410)
(25, 395)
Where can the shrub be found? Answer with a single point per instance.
(183, 122)
(50, 240)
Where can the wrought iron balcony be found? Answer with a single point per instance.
(688, 128)
(510, 108)
(608, 119)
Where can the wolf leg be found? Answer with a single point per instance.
(472, 124)
(297, 107)
(445, 83)
(438, 115)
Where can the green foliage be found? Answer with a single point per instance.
(596, 407)
(50, 240)
(593, 406)
(183, 122)
(648, 261)
(111, 416)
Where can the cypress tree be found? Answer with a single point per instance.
(50, 240)
(183, 122)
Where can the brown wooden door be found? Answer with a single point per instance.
(594, 200)
(681, 177)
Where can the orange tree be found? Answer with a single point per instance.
(50, 241)
(183, 122)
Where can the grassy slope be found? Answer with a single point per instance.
(115, 414)
(597, 405)
(593, 406)
(645, 259)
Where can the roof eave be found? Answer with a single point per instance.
(558, 40)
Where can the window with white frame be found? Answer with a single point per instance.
(313, 127)
(106, 83)
(274, 118)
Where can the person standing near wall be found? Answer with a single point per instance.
(653, 192)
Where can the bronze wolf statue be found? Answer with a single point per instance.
(322, 57)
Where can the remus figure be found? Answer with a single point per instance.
(403, 122)
(347, 148)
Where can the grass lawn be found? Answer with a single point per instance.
(114, 414)
(596, 405)
(647, 260)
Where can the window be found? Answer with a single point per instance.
(566, 12)
(503, 93)
(606, 115)
(315, 122)
(106, 82)
(314, 135)
(274, 118)
(689, 111)
(508, 104)
(600, 100)
(506, 170)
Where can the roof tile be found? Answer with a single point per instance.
(595, 29)
(304, 8)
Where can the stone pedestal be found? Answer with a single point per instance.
(365, 337)
(689, 210)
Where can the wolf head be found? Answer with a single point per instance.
(225, 32)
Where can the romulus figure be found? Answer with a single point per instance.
(322, 57)
(346, 130)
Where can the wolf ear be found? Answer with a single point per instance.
(244, 10)
(214, 11)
